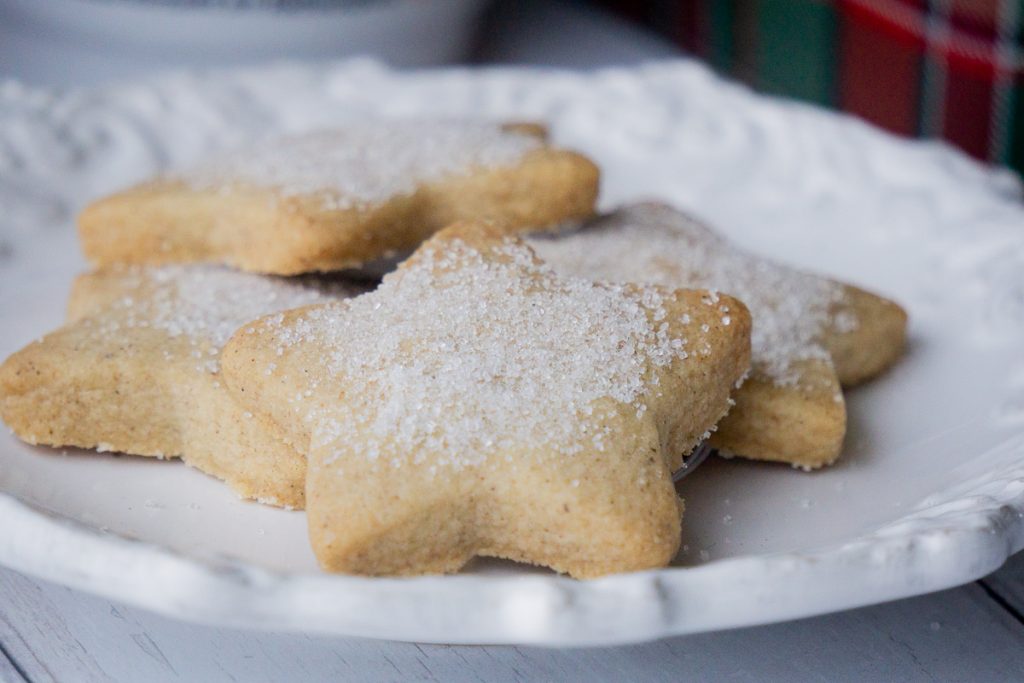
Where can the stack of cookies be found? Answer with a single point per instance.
(523, 385)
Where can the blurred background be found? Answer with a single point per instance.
(952, 69)
(949, 69)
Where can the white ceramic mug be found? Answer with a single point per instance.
(66, 42)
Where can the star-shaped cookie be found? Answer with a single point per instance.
(810, 334)
(341, 198)
(478, 404)
(136, 370)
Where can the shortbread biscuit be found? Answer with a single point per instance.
(136, 370)
(477, 404)
(810, 333)
(338, 199)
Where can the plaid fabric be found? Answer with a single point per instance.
(939, 68)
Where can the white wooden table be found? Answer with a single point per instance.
(972, 633)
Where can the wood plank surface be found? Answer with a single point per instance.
(9, 671)
(1006, 586)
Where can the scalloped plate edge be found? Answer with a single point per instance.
(977, 533)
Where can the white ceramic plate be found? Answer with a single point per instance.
(929, 492)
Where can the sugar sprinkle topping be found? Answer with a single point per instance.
(207, 304)
(656, 244)
(365, 163)
(460, 356)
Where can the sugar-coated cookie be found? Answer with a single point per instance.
(810, 334)
(478, 404)
(136, 370)
(342, 198)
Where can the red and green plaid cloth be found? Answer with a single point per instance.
(941, 68)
